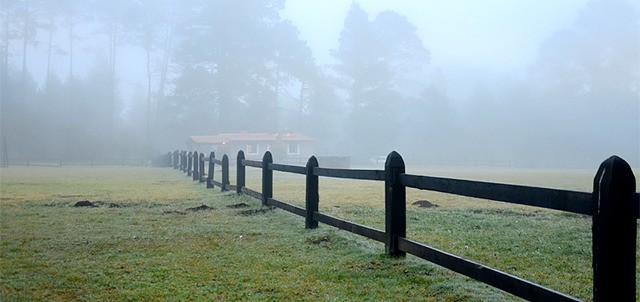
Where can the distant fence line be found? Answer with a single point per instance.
(614, 206)
(88, 162)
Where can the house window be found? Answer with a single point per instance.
(293, 148)
(252, 148)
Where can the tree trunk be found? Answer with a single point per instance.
(71, 24)
(49, 49)
(25, 45)
(148, 136)
(165, 64)
(113, 35)
(4, 71)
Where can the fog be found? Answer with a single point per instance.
(552, 84)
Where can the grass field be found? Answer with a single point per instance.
(142, 242)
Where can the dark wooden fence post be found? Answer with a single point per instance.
(185, 161)
(267, 178)
(312, 197)
(225, 173)
(196, 165)
(174, 160)
(614, 232)
(395, 204)
(189, 163)
(212, 157)
(240, 172)
(201, 168)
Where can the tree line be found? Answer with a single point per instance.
(228, 66)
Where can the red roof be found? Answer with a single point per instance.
(247, 137)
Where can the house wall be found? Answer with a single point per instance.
(231, 149)
(305, 150)
(261, 148)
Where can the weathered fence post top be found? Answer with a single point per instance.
(614, 232)
(267, 156)
(394, 160)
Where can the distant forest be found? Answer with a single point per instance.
(228, 66)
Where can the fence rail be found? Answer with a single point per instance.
(350, 174)
(125, 162)
(288, 168)
(569, 201)
(614, 206)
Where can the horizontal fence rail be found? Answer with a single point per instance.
(287, 207)
(350, 174)
(355, 228)
(288, 168)
(569, 201)
(252, 193)
(614, 206)
(252, 163)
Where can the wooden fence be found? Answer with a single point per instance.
(614, 206)
(128, 162)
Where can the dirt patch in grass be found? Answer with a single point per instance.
(85, 203)
(96, 204)
(174, 212)
(424, 204)
(252, 212)
(319, 239)
(200, 208)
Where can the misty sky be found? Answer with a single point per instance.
(493, 35)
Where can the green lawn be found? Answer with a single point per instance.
(142, 243)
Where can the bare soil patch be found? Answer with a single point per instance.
(174, 212)
(424, 204)
(319, 239)
(85, 203)
(200, 208)
(96, 204)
